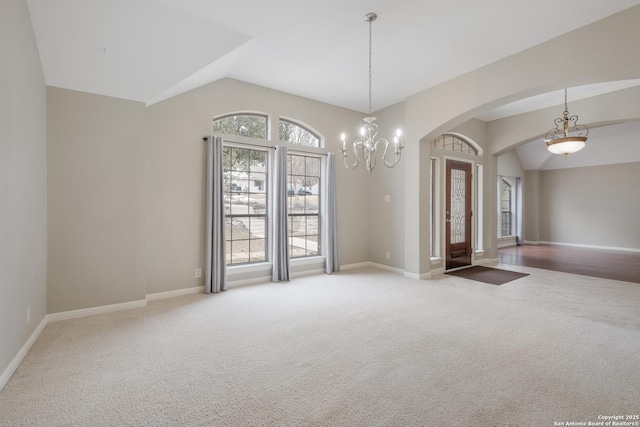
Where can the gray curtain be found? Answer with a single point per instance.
(280, 240)
(330, 222)
(215, 263)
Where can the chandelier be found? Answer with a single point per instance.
(366, 146)
(570, 138)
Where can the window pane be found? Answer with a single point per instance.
(245, 204)
(304, 204)
(295, 134)
(453, 143)
(312, 226)
(312, 167)
(257, 252)
(297, 225)
(311, 204)
(251, 125)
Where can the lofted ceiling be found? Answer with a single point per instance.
(150, 50)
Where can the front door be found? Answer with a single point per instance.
(458, 214)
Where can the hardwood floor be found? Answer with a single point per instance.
(615, 265)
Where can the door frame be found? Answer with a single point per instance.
(473, 206)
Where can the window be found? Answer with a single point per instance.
(478, 213)
(246, 187)
(295, 134)
(303, 197)
(249, 125)
(453, 143)
(433, 198)
(507, 207)
(245, 200)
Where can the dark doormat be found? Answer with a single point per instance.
(494, 276)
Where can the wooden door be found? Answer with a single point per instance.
(458, 214)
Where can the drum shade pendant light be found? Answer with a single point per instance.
(366, 146)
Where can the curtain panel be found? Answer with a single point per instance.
(330, 223)
(280, 240)
(215, 263)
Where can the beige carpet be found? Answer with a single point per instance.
(359, 348)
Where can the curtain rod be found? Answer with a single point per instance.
(206, 138)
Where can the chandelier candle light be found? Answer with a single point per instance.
(366, 146)
(571, 138)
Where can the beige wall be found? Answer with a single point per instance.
(96, 189)
(595, 205)
(386, 219)
(532, 207)
(175, 174)
(509, 165)
(23, 185)
(440, 108)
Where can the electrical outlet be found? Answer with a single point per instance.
(387, 198)
(388, 255)
(29, 314)
(198, 273)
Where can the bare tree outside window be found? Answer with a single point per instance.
(249, 125)
(296, 134)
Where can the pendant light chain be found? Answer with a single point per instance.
(566, 108)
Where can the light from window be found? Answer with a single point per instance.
(479, 207)
(249, 125)
(453, 143)
(245, 202)
(295, 134)
(432, 206)
(505, 207)
(303, 194)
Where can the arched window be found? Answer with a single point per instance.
(243, 124)
(451, 142)
(293, 133)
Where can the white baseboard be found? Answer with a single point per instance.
(579, 245)
(386, 267)
(15, 362)
(83, 312)
(176, 293)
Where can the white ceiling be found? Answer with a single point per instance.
(619, 143)
(150, 50)
(554, 98)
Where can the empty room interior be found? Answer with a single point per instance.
(329, 213)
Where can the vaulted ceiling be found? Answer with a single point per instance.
(149, 50)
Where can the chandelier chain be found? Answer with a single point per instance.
(566, 108)
(367, 145)
(370, 23)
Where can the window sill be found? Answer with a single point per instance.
(306, 261)
(249, 268)
(435, 260)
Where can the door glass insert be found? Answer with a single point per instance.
(458, 207)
